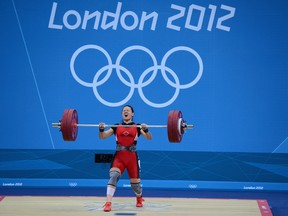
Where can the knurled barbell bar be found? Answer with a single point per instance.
(68, 125)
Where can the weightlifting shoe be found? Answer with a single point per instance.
(139, 201)
(107, 206)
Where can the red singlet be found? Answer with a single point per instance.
(125, 159)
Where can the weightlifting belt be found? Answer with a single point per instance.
(131, 148)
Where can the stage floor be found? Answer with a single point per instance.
(86, 206)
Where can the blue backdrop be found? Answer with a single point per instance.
(222, 63)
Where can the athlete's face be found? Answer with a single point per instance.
(127, 114)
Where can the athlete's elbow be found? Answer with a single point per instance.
(101, 136)
(149, 137)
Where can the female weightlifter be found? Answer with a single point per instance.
(126, 155)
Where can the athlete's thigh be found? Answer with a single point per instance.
(133, 168)
(117, 163)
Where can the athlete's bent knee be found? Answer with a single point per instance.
(137, 188)
(114, 178)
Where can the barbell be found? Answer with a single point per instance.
(68, 125)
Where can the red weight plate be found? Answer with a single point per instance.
(174, 135)
(74, 124)
(63, 128)
(69, 123)
(172, 127)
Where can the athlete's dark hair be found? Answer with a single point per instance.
(130, 107)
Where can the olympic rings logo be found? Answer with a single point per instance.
(131, 83)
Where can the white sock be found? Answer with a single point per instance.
(110, 191)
